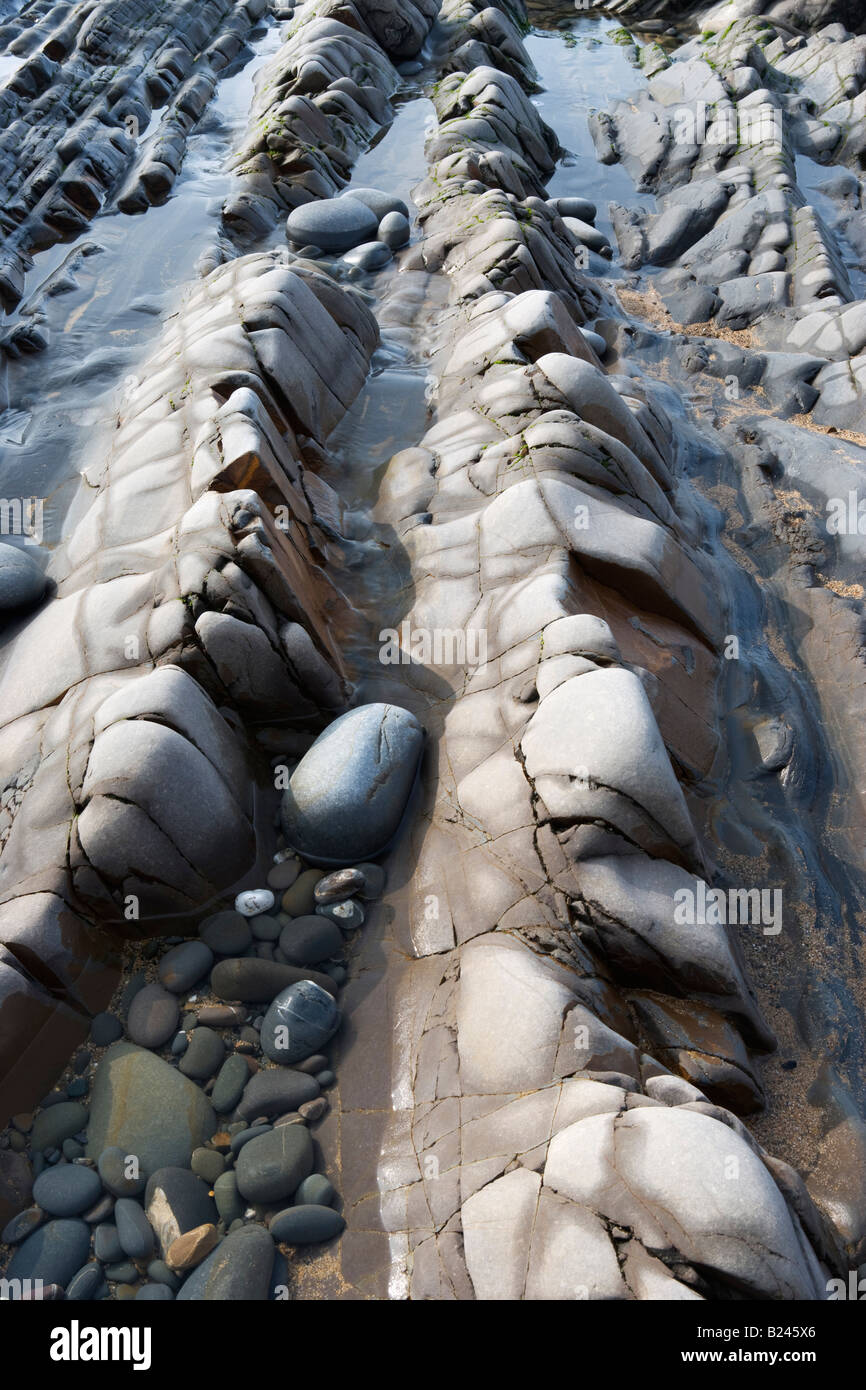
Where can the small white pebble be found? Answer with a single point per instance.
(254, 901)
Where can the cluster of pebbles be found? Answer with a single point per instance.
(195, 1211)
(363, 226)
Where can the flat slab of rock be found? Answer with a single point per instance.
(144, 1106)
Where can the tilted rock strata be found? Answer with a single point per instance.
(574, 1057)
(92, 75)
(192, 594)
(715, 133)
(317, 103)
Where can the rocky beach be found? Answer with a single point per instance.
(432, 651)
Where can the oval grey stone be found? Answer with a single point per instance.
(308, 940)
(226, 933)
(347, 797)
(334, 224)
(85, 1285)
(275, 1092)
(315, 1189)
(229, 1085)
(272, 1167)
(370, 255)
(66, 1190)
(184, 965)
(134, 1231)
(255, 981)
(394, 230)
(106, 1244)
(299, 1022)
(22, 1225)
(379, 203)
(306, 1225)
(228, 1201)
(153, 1016)
(205, 1053)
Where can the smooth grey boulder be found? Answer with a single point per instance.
(272, 1167)
(379, 203)
(228, 1088)
(54, 1253)
(145, 1107)
(299, 1023)
(22, 582)
(347, 796)
(255, 981)
(239, 1269)
(581, 208)
(226, 933)
(629, 1169)
(334, 224)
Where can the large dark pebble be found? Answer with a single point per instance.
(306, 1225)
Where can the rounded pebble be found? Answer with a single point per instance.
(394, 230)
(67, 1190)
(226, 933)
(299, 1021)
(183, 966)
(254, 901)
(306, 1225)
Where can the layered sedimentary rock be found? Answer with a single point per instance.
(91, 77)
(716, 132)
(191, 593)
(317, 104)
(574, 1060)
(573, 1055)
